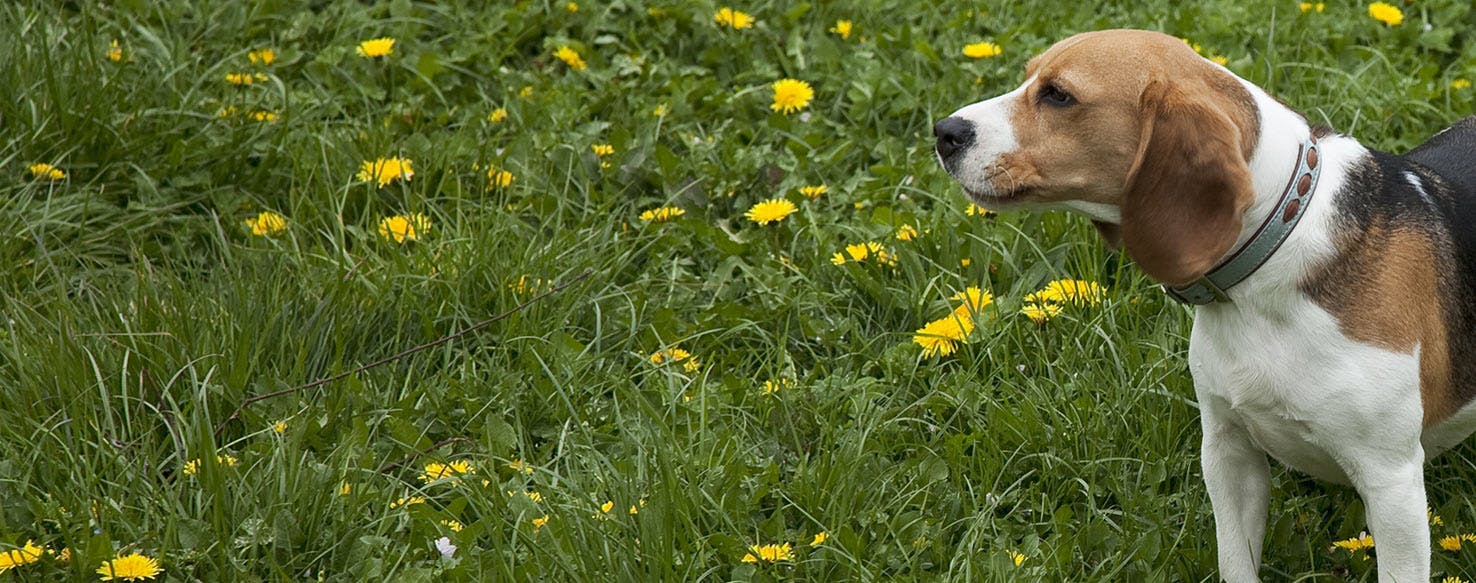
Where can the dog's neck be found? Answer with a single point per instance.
(1275, 159)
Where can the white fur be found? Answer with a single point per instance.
(993, 135)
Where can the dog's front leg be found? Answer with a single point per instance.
(1394, 494)
(1239, 481)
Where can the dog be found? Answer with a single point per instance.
(1334, 285)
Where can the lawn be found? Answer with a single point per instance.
(207, 208)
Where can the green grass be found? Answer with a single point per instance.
(139, 310)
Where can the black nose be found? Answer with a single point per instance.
(954, 134)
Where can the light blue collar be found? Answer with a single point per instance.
(1267, 239)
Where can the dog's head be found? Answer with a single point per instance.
(1133, 129)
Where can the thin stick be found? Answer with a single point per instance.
(402, 354)
(412, 457)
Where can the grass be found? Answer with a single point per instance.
(140, 310)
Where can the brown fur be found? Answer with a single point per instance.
(1157, 130)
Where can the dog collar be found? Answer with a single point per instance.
(1254, 253)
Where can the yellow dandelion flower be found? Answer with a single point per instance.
(526, 91)
(607, 506)
(673, 354)
(345, 488)
(660, 111)
(1460, 83)
(386, 170)
(539, 522)
(572, 7)
(497, 115)
(976, 210)
(1468, 537)
(842, 28)
(379, 47)
(1452, 579)
(264, 116)
(692, 365)
(941, 337)
(245, 78)
(819, 538)
(965, 262)
(115, 52)
(973, 301)
(1193, 45)
(400, 228)
(262, 56)
(1308, 6)
(1435, 519)
(1016, 557)
(1358, 543)
(774, 386)
(47, 172)
(454, 525)
(770, 211)
(1039, 313)
(267, 223)
(403, 501)
(814, 191)
(602, 150)
(25, 555)
(192, 467)
(64, 556)
(906, 233)
(768, 553)
(226, 111)
(436, 471)
(791, 95)
(662, 214)
(279, 427)
(1451, 543)
(520, 466)
(982, 50)
(634, 510)
(130, 568)
(732, 19)
(1070, 291)
(1386, 13)
(498, 178)
(571, 58)
(1220, 60)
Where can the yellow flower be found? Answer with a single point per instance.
(1193, 45)
(47, 172)
(1451, 543)
(264, 116)
(407, 501)
(1452, 579)
(607, 506)
(435, 471)
(602, 150)
(662, 214)
(842, 28)
(732, 19)
(280, 427)
(768, 553)
(378, 47)
(497, 178)
(974, 300)
(1361, 542)
(1460, 84)
(345, 488)
(1386, 13)
(672, 354)
(454, 525)
(660, 111)
(941, 337)
(497, 115)
(192, 467)
(267, 223)
(571, 58)
(906, 233)
(1435, 519)
(982, 49)
(1071, 291)
(976, 210)
(263, 56)
(965, 262)
(227, 111)
(386, 170)
(1039, 313)
(773, 386)
(23, 556)
(245, 78)
(571, 7)
(520, 466)
(1016, 557)
(526, 91)
(791, 95)
(860, 251)
(814, 192)
(1220, 60)
(115, 52)
(1306, 6)
(634, 510)
(770, 211)
(539, 522)
(399, 228)
(692, 365)
(130, 568)
(819, 538)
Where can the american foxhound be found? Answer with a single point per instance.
(1335, 285)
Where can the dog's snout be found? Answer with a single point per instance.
(954, 134)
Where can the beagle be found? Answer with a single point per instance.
(1335, 327)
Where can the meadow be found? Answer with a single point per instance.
(742, 327)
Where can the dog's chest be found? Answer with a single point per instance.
(1307, 395)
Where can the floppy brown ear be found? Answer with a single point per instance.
(1188, 188)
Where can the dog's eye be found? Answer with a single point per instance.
(1053, 96)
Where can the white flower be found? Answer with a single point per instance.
(447, 549)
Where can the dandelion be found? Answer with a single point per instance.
(279, 427)
(1308, 6)
(1386, 13)
(660, 111)
(115, 52)
(770, 211)
(607, 506)
(842, 28)
(498, 178)
(906, 233)
(498, 115)
(636, 508)
(1452, 579)
(47, 172)
(25, 555)
(226, 111)
(965, 262)
(454, 525)
(539, 522)
(1039, 313)
(974, 300)
(264, 116)
(692, 365)
(379, 47)
(130, 568)
(662, 214)
(819, 538)
(1460, 84)
(1070, 291)
(815, 191)
(400, 228)
(403, 501)
(245, 78)
(941, 337)
(266, 223)
(435, 471)
(262, 56)
(386, 170)
(1016, 557)
(1435, 519)
(571, 58)
(1451, 543)
(192, 467)
(791, 95)
(772, 387)
(732, 19)
(672, 354)
(345, 488)
(1220, 60)
(981, 50)
(768, 553)
(520, 466)
(976, 210)
(602, 150)
(1358, 543)
(572, 7)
